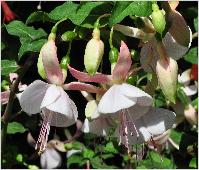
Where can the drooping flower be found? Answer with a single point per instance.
(125, 103)
(56, 108)
(9, 15)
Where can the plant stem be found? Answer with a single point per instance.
(14, 87)
(111, 38)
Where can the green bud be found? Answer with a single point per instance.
(68, 36)
(132, 80)
(64, 62)
(113, 55)
(158, 19)
(68, 146)
(40, 67)
(5, 85)
(19, 158)
(135, 55)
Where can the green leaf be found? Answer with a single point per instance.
(84, 11)
(34, 46)
(77, 145)
(8, 66)
(98, 163)
(88, 153)
(74, 159)
(110, 148)
(106, 156)
(176, 136)
(15, 127)
(195, 21)
(192, 56)
(3, 46)
(192, 163)
(63, 11)
(25, 33)
(124, 8)
(195, 103)
(38, 16)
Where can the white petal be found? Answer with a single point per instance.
(135, 93)
(65, 111)
(32, 97)
(113, 100)
(100, 126)
(190, 90)
(52, 94)
(137, 111)
(158, 120)
(185, 77)
(50, 159)
(174, 50)
(149, 56)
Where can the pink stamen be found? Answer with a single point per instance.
(44, 132)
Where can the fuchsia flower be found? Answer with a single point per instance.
(126, 104)
(9, 15)
(56, 108)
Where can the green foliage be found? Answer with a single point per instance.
(176, 136)
(123, 9)
(192, 56)
(34, 46)
(38, 16)
(74, 159)
(193, 163)
(8, 66)
(25, 33)
(196, 24)
(110, 148)
(98, 163)
(88, 153)
(15, 127)
(195, 103)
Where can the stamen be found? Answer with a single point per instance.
(44, 132)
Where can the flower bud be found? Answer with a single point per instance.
(191, 115)
(166, 70)
(68, 36)
(93, 53)
(64, 62)
(40, 67)
(113, 55)
(158, 19)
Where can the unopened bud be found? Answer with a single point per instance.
(64, 62)
(191, 115)
(68, 36)
(40, 67)
(166, 70)
(158, 19)
(113, 55)
(93, 53)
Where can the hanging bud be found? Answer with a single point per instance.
(191, 115)
(113, 56)
(64, 62)
(166, 70)
(158, 19)
(68, 36)
(93, 53)
(40, 67)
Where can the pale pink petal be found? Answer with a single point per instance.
(63, 109)
(13, 76)
(173, 4)
(136, 94)
(50, 159)
(51, 63)
(83, 87)
(85, 77)
(158, 120)
(123, 64)
(32, 97)
(113, 100)
(179, 28)
(173, 48)
(5, 97)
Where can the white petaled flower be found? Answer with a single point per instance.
(176, 45)
(50, 99)
(128, 105)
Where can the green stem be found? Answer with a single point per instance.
(111, 38)
(6, 116)
(69, 48)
